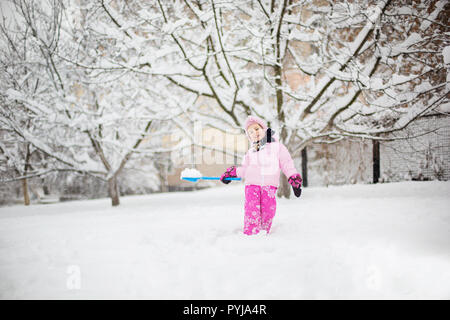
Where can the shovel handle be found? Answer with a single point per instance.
(195, 179)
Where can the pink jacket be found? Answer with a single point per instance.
(263, 167)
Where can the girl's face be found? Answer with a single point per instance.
(255, 132)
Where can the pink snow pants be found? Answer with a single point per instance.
(260, 207)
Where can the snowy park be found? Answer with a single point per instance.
(388, 241)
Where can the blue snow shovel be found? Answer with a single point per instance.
(195, 179)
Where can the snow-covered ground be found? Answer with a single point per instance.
(360, 241)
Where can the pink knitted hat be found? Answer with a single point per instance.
(254, 119)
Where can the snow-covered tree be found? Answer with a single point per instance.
(83, 111)
(19, 159)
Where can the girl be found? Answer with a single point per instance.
(261, 171)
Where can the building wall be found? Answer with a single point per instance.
(208, 162)
(343, 162)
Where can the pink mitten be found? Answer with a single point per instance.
(230, 173)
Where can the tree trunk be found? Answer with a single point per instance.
(163, 182)
(113, 190)
(284, 189)
(376, 161)
(26, 195)
(304, 168)
(45, 188)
